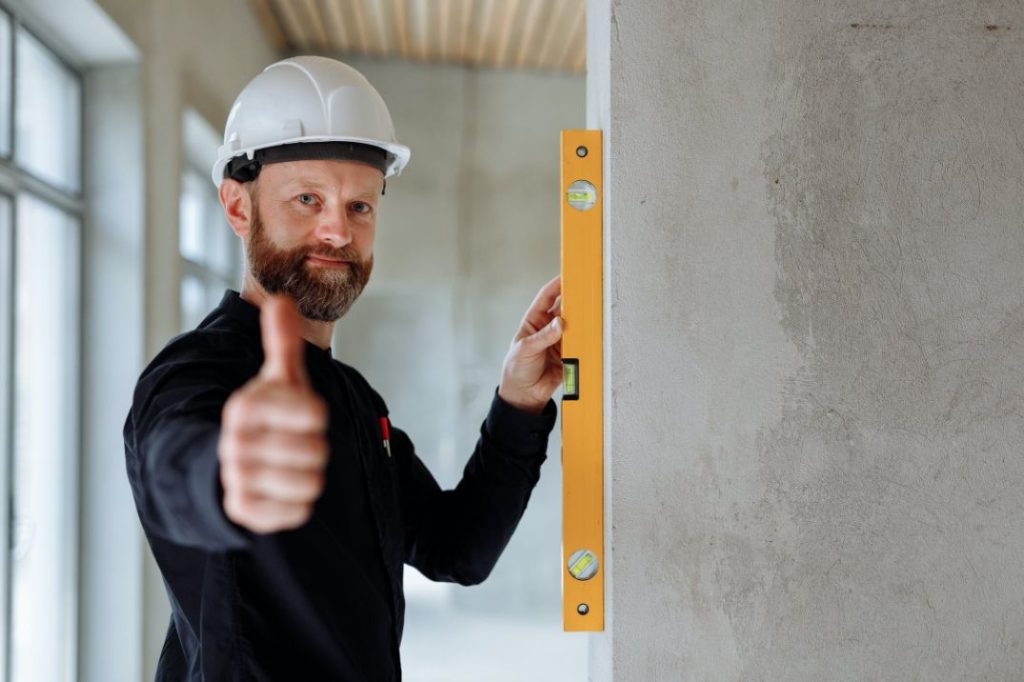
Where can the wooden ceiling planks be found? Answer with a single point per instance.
(337, 26)
(531, 31)
(270, 23)
(381, 39)
(554, 33)
(545, 35)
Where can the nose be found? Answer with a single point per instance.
(334, 227)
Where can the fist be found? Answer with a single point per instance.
(273, 447)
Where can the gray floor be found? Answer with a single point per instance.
(445, 645)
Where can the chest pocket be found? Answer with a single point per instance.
(381, 470)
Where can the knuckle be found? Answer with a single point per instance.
(245, 478)
(291, 516)
(316, 480)
(230, 447)
(228, 479)
(318, 450)
(262, 525)
(246, 506)
(318, 411)
(235, 407)
(236, 507)
(300, 489)
(301, 514)
(309, 489)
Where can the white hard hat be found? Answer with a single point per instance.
(309, 100)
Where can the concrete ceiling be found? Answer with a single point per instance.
(507, 34)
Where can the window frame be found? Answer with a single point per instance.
(7, 337)
(208, 276)
(18, 25)
(8, 18)
(16, 180)
(70, 200)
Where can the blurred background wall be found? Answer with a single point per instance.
(466, 237)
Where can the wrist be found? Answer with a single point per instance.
(521, 402)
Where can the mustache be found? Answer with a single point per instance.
(345, 253)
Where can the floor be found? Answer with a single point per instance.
(445, 645)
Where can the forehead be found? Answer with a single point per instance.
(327, 174)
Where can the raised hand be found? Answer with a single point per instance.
(273, 448)
(533, 366)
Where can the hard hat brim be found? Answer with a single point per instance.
(398, 154)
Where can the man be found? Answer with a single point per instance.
(279, 501)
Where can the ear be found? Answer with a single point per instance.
(238, 208)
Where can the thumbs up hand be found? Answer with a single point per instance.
(273, 449)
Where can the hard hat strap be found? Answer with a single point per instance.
(244, 169)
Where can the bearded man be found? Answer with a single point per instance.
(278, 499)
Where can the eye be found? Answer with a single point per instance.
(307, 199)
(361, 207)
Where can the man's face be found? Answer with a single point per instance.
(312, 230)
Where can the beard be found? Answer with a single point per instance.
(322, 294)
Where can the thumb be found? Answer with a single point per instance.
(282, 341)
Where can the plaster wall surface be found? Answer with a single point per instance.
(814, 248)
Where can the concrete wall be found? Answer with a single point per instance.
(112, 581)
(815, 338)
(467, 235)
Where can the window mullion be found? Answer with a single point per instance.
(41, 187)
(7, 320)
(15, 181)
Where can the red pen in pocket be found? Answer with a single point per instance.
(386, 435)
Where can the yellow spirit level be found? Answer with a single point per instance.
(583, 557)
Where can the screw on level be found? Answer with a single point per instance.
(581, 151)
(583, 609)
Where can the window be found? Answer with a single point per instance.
(45, 442)
(5, 85)
(210, 250)
(40, 253)
(6, 394)
(48, 117)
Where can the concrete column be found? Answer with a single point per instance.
(180, 68)
(111, 577)
(815, 338)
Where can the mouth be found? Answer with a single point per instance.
(324, 262)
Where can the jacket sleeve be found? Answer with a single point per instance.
(171, 436)
(458, 535)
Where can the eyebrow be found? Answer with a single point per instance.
(317, 184)
(303, 180)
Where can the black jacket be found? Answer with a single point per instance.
(323, 601)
